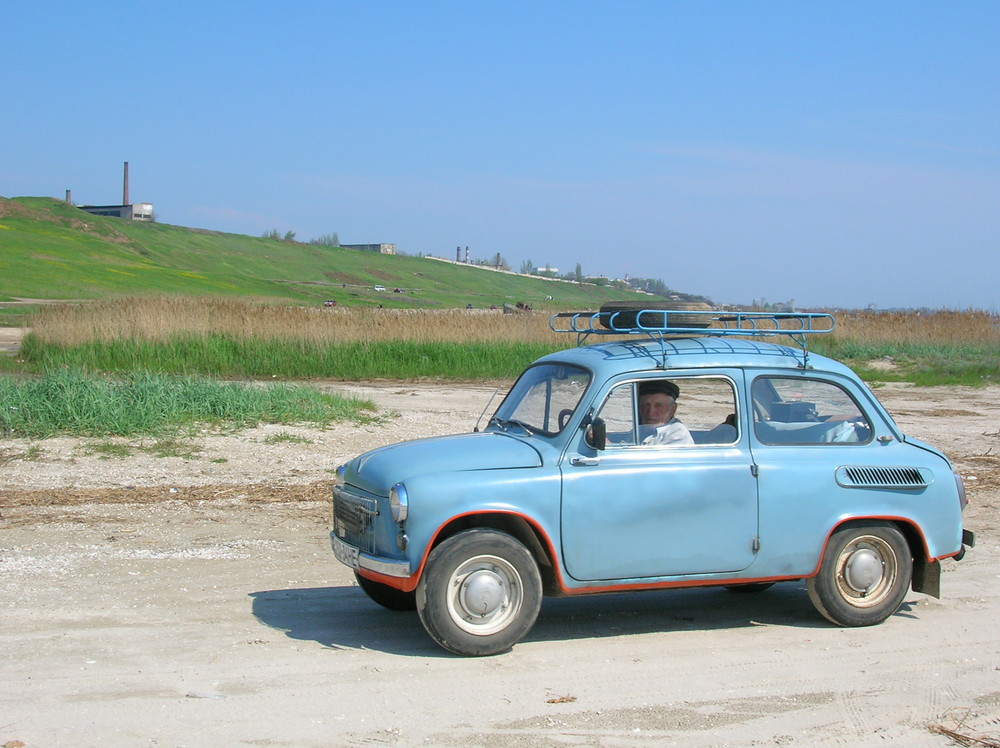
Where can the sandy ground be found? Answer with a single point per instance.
(151, 601)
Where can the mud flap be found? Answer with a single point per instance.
(927, 577)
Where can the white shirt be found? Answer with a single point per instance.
(673, 432)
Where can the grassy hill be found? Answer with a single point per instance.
(52, 250)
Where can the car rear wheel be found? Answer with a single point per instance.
(864, 575)
(480, 593)
(386, 596)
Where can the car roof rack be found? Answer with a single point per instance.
(660, 324)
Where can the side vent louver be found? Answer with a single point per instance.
(869, 476)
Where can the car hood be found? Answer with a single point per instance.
(377, 471)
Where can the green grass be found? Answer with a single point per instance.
(70, 402)
(923, 364)
(283, 437)
(52, 250)
(106, 450)
(173, 446)
(222, 356)
(225, 357)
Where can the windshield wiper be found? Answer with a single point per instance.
(506, 423)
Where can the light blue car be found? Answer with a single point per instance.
(686, 450)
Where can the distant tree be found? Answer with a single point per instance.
(651, 285)
(527, 267)
(327, 240)
(578, 275)
(288, 236)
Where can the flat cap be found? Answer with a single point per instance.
(661, 386)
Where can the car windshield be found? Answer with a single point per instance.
(542, 400)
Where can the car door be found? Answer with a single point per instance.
(636, 511)
(805, 430)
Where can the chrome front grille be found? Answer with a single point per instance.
(353, 518)
(870, 476)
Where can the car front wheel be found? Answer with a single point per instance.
(386, 596)
(480, 592)
(864, 575)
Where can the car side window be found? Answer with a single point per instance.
(703, 411)
(806, 411)
(619, 414)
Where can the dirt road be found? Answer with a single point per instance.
(195, 602)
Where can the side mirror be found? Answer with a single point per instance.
(597, 434)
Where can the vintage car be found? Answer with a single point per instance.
(774, 464)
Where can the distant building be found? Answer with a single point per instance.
(128, 210)
(133, 212)
(382, 249)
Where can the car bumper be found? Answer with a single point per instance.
(353, 557)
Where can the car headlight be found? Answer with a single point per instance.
(338, 475)
(398, 502)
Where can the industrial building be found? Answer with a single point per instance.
(128, 210)
(132, 212)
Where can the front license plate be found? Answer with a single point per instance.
(346, 554)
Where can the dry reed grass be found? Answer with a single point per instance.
(160, 319)
(933, 328)
(163, 318)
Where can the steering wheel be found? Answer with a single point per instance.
(564, 416)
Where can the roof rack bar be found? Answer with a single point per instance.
(687, 322)
(659, 324)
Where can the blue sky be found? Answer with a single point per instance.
(839, 154)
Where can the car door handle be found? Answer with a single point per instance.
(584, 461)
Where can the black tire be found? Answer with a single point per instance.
(480, 593)
(629, 316)
(386, 596)
(749, 588)
(864, 575)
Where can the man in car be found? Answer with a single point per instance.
(657, 408)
